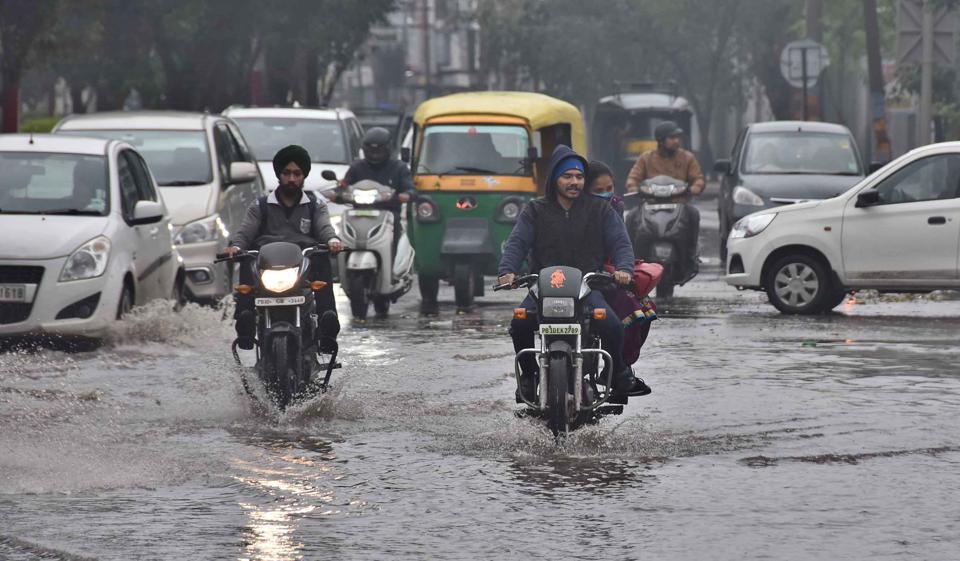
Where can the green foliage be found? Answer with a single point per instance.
(39, 125)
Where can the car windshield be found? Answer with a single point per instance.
(44, 183)
(176, 158)
(323, 138)
(474, 149)
(801, 153)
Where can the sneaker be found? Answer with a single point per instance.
(630, 385)
(429, 308)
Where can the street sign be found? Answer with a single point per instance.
(910, 33)
(792, 62)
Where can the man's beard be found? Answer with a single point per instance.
(290, 189)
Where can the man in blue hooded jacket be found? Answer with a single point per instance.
(566, 228)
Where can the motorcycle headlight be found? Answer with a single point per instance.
(88, 261)
(558, 307)
(366, 196)
(279, 280)
(744, 196)
(203, 230)
(751, 225)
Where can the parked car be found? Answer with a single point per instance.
(85, 233)
(897, 230)
(785, 162)
(207, 176)
(332, 137)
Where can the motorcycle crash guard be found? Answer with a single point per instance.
(361, 261)
(467, 236)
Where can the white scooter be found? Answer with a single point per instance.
(366, 231)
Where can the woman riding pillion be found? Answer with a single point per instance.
(292, 215)
(565, 228)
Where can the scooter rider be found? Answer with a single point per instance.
(288, 214)
(670, 159)
(378, 165)
(565, 228)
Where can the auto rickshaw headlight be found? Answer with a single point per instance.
(509, 210)
(427, 211)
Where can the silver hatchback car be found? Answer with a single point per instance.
(206, 173)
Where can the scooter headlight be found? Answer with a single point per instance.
(366, 196)
(280, 280)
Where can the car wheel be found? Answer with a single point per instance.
(179, 295)
(799, 284)
(126, 301)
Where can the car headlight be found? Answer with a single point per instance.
(366, 196)
(88, 261)
(558, 307)
(751, 225)
(280, 280)
(203, 230)
(744, 196)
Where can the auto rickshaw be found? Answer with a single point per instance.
(623, 123)
(477, 159)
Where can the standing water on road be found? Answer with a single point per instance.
(766, 437)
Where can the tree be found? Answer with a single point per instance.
(22, 25)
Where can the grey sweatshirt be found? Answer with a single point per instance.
(295, 228)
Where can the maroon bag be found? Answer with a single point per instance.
(636, 313)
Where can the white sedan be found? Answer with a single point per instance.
(84, 235)
(897, 230)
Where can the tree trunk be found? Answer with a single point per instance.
(11, 103)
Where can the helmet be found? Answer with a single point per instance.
(665, 130)
(376, 145)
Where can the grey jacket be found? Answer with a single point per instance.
(295, 228)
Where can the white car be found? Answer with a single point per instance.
(333, 137)
(85, 235)
(207, 176)
(896, 230)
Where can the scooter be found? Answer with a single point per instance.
(288, 358)
(569, 354)
(368, 270)
(659, 228)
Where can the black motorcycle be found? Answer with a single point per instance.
(288, 357)
(659, 228)
(568, 393)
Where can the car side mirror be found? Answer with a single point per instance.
(405, 154)
(867, 198)
(242, 172)
(532, 156)
(329, 175)
(722, 166)
(874, 166)
(147, 212)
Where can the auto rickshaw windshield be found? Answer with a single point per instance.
(474, 149)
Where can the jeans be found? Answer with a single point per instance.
(610, 331)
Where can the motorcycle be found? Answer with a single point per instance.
(365, 267)
(659, 228)
(288, 358)
(568, 393)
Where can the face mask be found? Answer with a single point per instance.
(607, 195)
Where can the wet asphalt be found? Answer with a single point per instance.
(766, 437)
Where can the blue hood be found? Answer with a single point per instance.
(560, 153)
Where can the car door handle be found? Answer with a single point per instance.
(936, 220)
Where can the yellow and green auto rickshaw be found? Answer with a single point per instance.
(477, 158)
(623, 123)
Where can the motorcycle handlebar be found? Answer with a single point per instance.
(238, 256)
(525, 281)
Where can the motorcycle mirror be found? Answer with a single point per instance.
(405, 154)
(631, 200)
(329, 175)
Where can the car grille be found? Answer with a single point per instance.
(14, 312)
(15, 274)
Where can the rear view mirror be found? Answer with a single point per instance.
(532, 156)
(874, 166)
(147, 212)
(721, 166)
(405, 154)
(329, 175)
(867, 198)
(242, 172)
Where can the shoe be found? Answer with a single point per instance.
(428, 308)
(245, 343)
(528, 385)
(630, 385)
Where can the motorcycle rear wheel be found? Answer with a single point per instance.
(558, 394)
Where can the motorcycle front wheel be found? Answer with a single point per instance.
(283, 382)
(559, 395)
(359, 297)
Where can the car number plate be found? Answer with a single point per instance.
(281, 301)
(13, 293)
(365, 212)
(560, 329)
(665, 206)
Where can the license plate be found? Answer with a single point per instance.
(13, 293)
(560, 329)
(657, 208)
(365, 212)
(281, 301)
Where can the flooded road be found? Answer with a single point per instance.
(766, 437)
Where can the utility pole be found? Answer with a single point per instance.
(881, 151)
(814, 14)
(425, 45)
(926, 75)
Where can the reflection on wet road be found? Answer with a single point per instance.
(767, 437)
